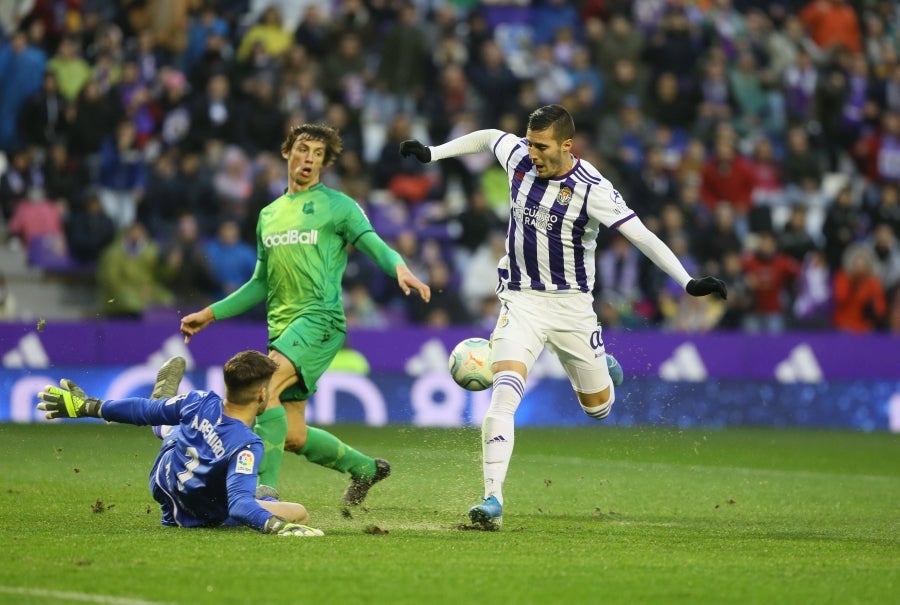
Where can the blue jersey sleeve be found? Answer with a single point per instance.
(141, 411)
(240, 482)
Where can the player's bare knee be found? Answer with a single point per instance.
(296, 438)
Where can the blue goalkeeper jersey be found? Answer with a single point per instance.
(206, 471)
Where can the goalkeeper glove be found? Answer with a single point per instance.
(706, 285)
(414, 147)
(277, 525)
(69, 401)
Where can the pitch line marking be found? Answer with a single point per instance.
(77, 596)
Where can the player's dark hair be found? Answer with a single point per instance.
(555, 117)
(316, 132)
(245, 373)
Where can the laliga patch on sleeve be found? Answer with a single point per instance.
(244, 464)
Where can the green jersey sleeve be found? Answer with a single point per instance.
(244, 298)
(377, 249)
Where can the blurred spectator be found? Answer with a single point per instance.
(446, 307)
(122, 175)
(205, 23)
(406, 178)
(233, 183)
(88, 230)
(675, 46)
(767, 186)
(886, 208)
(771, 277)
(36, 216)
(681, 312)
(128, 275)
(21, 73)
(43, 117)
(794, 238)
(669, 105)
(198, 191)
(216, 59)
(477, 267)
(402, 63)
(801, 166)
(185, 268)
(623, 137)
(609, 44)
(163, 197)
(813, 305)
(879, 152)
(175, 122)
(728, 177)
(345, 74)
(859, 300)
(269, 33)
(361, 309)
(230, 260)
(740, 298)
(92, 119)
(760, 109)
(718, 238)
(21, 174)
(785, 46)
(71, 70)
(651, 186)
(800, 78)
(886, 256)
(261, 122)
(65, 177)
(313, 32)
(494, 81)
(214, 114)
(618, 277)
(832, 23)
(627, 85)
(8, 305)
(841, 227)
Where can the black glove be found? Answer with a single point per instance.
(707, 285)
(70, 401)
(282, 527)
(413, 147)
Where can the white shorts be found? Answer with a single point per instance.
(566, 323)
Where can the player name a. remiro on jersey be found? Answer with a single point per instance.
(294, 236)
(209, 435)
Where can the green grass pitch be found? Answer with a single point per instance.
(593, 515)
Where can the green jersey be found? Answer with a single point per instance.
(301, 242)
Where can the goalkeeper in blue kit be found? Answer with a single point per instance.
(206, 472)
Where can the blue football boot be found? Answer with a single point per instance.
(615, 370)
(488, 514)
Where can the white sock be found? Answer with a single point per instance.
(601, 411)
(498, 431)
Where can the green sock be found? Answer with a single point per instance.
(325, 449)
(272, 428)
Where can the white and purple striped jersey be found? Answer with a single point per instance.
(554, 223)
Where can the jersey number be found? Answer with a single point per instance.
(188, 472)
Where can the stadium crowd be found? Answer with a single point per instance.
(759, 138)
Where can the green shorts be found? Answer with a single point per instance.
(310, 342)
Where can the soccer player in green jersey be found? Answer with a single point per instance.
(301, 241)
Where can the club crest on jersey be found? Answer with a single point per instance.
(244, 464)
(503, 321)
(564, 196)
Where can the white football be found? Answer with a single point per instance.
(470, 364)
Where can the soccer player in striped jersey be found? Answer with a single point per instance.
(557, 204)
(302, 240)
(206, 470)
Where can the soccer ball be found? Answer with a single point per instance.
(470, 364)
